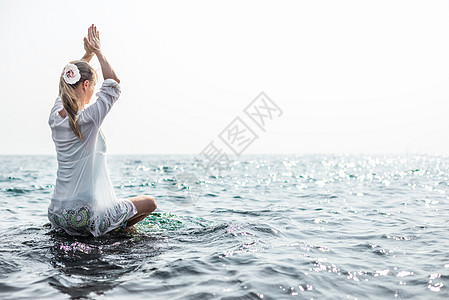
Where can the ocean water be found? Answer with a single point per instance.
(265, 227)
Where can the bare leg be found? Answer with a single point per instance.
(145, 206)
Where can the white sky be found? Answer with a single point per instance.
(350, 76)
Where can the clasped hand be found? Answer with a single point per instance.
(92, 42)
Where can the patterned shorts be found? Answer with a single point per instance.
(81, 220)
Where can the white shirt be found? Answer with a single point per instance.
(82, 177)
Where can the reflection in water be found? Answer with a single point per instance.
(95, 265)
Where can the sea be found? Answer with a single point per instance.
(309, 226)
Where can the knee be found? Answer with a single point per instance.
(150, 204)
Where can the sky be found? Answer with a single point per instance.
(346, 76)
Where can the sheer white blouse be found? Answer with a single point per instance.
(82, 178)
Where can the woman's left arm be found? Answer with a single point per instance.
(87, 57)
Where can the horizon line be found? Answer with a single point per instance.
(246, 154)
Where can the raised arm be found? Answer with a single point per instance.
(93, 42)
(89, 53)
(106, 68)
(87, 57)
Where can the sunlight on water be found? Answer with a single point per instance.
(311, 226)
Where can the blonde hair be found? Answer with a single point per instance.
(67, 92)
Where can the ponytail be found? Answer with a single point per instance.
(70, 103)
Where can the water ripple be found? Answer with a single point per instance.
(281, 226)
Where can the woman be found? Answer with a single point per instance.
(84, 201)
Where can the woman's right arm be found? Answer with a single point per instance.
(94, 43)
(106, 68)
